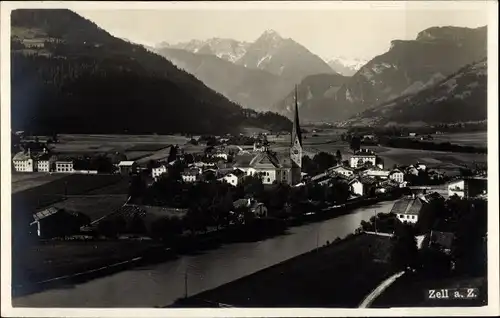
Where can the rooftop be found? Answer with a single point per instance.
(126, 163)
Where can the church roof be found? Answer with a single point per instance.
(263, 160)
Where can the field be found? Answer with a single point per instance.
(320, 278)
(44, 260)
(134, 146)
(478, 139)
(329, 141)
(25, 181)
(28, 201)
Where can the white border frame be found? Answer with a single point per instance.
(493, 210)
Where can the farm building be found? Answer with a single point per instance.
(54, 222)
(127, 167)
(416, 208)
(376, 173)
(157, 171)
(356, 187)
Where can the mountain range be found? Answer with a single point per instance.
(255, 74)
(460, 97)
(407, 67)
(344, 65)
(69, 75)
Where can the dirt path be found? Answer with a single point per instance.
(379, 290)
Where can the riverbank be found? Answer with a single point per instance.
(320, 278)
(51, 264)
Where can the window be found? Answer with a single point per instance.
(268, 179)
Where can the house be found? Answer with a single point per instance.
(411, 170)
(416, 208)
(408, 209)
(362, 157)
(234, 178)
(45, 162)
(191, 174)
(421, 167)
(127, 168)
(412, 134)
(54, 222)
(356, 187)
(339, 169)
(269, 165)
(64, 166)
(376, 173)
(157, 171)
(369, 184)
(322, 178)
(258, 209)
(24, 162)
(397, 175)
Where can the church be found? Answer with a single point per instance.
(274, 167)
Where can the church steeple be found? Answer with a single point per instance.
(296, 133)
(296, 140)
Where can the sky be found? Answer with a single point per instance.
(361, 32)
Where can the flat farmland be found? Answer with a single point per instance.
(89, 144)
(441, 159)
(95, 207)
(477, 139)
(25, 181)
(54, 191)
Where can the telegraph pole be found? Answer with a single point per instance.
(185, 284)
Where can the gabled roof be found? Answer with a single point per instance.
(444, 239)
(45, 213)
(21, 156)
(411, 206)
(126, 163)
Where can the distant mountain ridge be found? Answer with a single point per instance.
(269, 52)
(251, 88)
(461, 97)
(83, 80)
(346, 66)
(255, 75)
(408, 66)
(314, 96)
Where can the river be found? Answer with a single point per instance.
(161, 284)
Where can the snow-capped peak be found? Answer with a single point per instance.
(346, 65)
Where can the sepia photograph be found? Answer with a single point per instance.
(249, 156)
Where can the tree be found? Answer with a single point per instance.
(338, 156)
(173, 153)
(404, 253)
(355, 143)
(324, 160)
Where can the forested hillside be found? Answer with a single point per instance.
(68, 75)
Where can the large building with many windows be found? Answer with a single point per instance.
(273, 167)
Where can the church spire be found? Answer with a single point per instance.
(296, 133)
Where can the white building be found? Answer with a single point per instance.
(64, 166)
(397, 175)
(376, 173)
(221, 155)
(356, 187)
(421, 166)
(234, 178)
(361, 158)
(23, 162)
(456, 187)
(345, 171)
(156, 172)
(191, 175)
